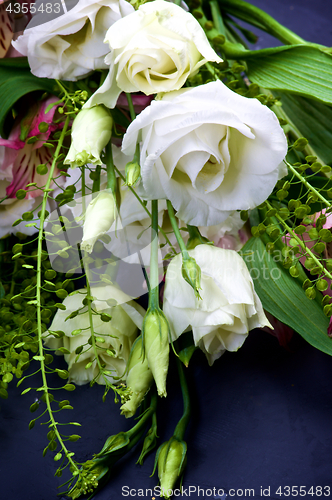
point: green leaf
(314, 121)
(300, 69)
(3, 393)
(185, 347)
(284, 298)
(18, 62)
(17, 81)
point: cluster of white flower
(206, 149)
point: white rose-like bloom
(72, 45)
(119, 333)
(90, 133)
(209, 151)
(154, 49)
(229, 308)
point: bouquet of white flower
(146, 152)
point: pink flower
(21, 158)
(140, 101)
(18, 166)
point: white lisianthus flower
(119, 333)
(229, 308)
(209, 151)
(99, 217)
(70, 46)
(154, 49)
(91, 132)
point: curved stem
(53, 423)
(181, 426)
(307, 184)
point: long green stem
(53, 423)
(217, 17)
(111, 177)
(176, 230)
(131, 107)
(96, 181)
(154, 274)
(181, 426)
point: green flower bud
(156, 346)
(191, 273)
(139, 378)
(133, 173)
(114, 443)
(171, 457)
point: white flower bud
(90, 133)
(99, 217)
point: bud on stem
(171, 459)
(139, 378)
(133, 173)
(191, 273)
(156, 346)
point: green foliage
(15, 82)
(314, 119)
(284, 297)
(297, 69)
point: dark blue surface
(261, 417)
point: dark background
(261, 416)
